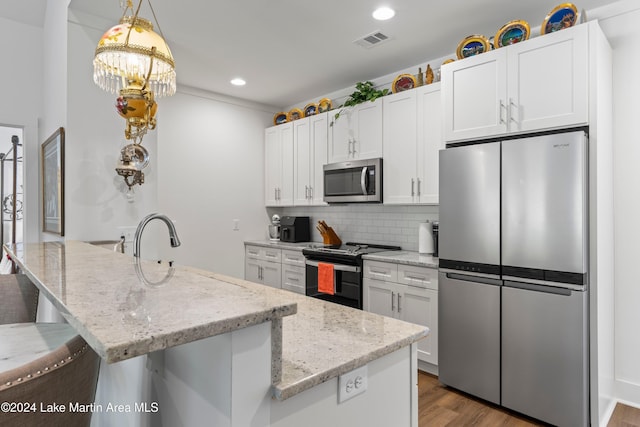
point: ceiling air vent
(374, 39)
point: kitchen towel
(425, 238)
(326, 284)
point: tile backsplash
(367, 223)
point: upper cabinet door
(301, 152)
(430, 142)
(474, 91)
(341, 136)
(400, 138)
(536, 85)
(548, 81)
(357, 133)
(368, 135)
(279, 165)
(319, 137)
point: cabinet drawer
(293, 278)
(381, 271)
(292, 257)
(418, 276)
(252, 252)
(271, 255)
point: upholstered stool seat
(18, 299)
(45, 367)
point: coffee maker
(295, 229)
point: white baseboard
(428, 367)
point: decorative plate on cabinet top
(562, 16)
(473, 45)
(294, 114)
(310, 109)
(280, 118)
(511, 32)
(403, 82)
(324, 105)
(448, 61)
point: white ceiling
(292, 50)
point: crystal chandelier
(135, 62)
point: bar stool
(48, 376)
(18, 299)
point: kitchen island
(198, 347)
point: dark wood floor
(443, 406)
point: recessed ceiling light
(238, 82)
(383, 13)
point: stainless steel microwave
(356, 181)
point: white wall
(96, 202)
(21, 87)
(621, 30)
(211, 158)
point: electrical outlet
(236, 225)
(352, 384)
(128, 232)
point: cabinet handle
(354, 148)
(382, 274)
(310, 192)
(418, 179)
(393, 295)
(501, 107)
(349, 146)
(278, 193)
(399, 309)
(306, 191)
(412, 184)
(511, 115)
(275, 193)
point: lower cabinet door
(420, 306)
(293, 278)
(252, 270)
(379, 297)
(271, 274)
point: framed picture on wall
(52, 173)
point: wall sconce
(131, 59)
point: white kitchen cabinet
(263, 265)
(412, 137)
(357, 133)
(310, 136)
(407, 293)
(539, 84)
(279, 165)
(293, 271)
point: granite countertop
(104, 297)
(324, 340)
(404, 257)
(120, 306)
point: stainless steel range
(346, 263)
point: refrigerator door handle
(471, 278)
(543, 284)
(538, 288)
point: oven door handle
(337, 267)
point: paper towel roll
(425, 238)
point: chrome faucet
(173, 236)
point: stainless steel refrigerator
(513, 280)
